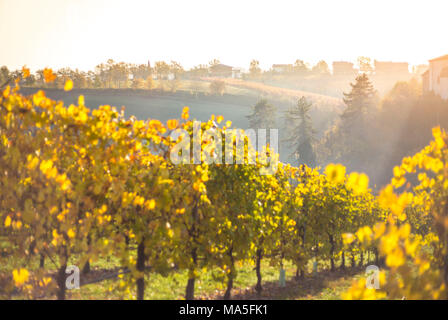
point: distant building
(387, 68)
(221, 70)
(343, 68)
(436, 78)
(282, 68)
(420, 69)
(236, 73)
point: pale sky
(84, 33)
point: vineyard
(79, 185)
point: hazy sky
(83, 33)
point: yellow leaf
(81, 101)
(139, 201)
(172, 124)
(364, 234)
(358, 182)
(20, 276)
(32, 162)
(68, 85)
(6, 92)
(70, 233)
(7, 221)
(103, 209)
(335, 173)
(185, 114)
(150, 204)
(46, 165)
(49, 76)
(396, 258)
(38, 97)
(17, 224)
(347, 238)
(180, 211)
(26, 72)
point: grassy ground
(275, 92)
(211, 284)
(324, 285)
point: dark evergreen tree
(263, 115)
(359, 101)
(349, 140)
(300, 132)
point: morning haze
(130, 167)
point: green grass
(324, 285)
(211, 284)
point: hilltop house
(282, 68)
(224, 71)
(237, 73)
(387, 68)
(436, 78)
(343, 68)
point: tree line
(112, 74)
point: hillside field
(234, 106)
